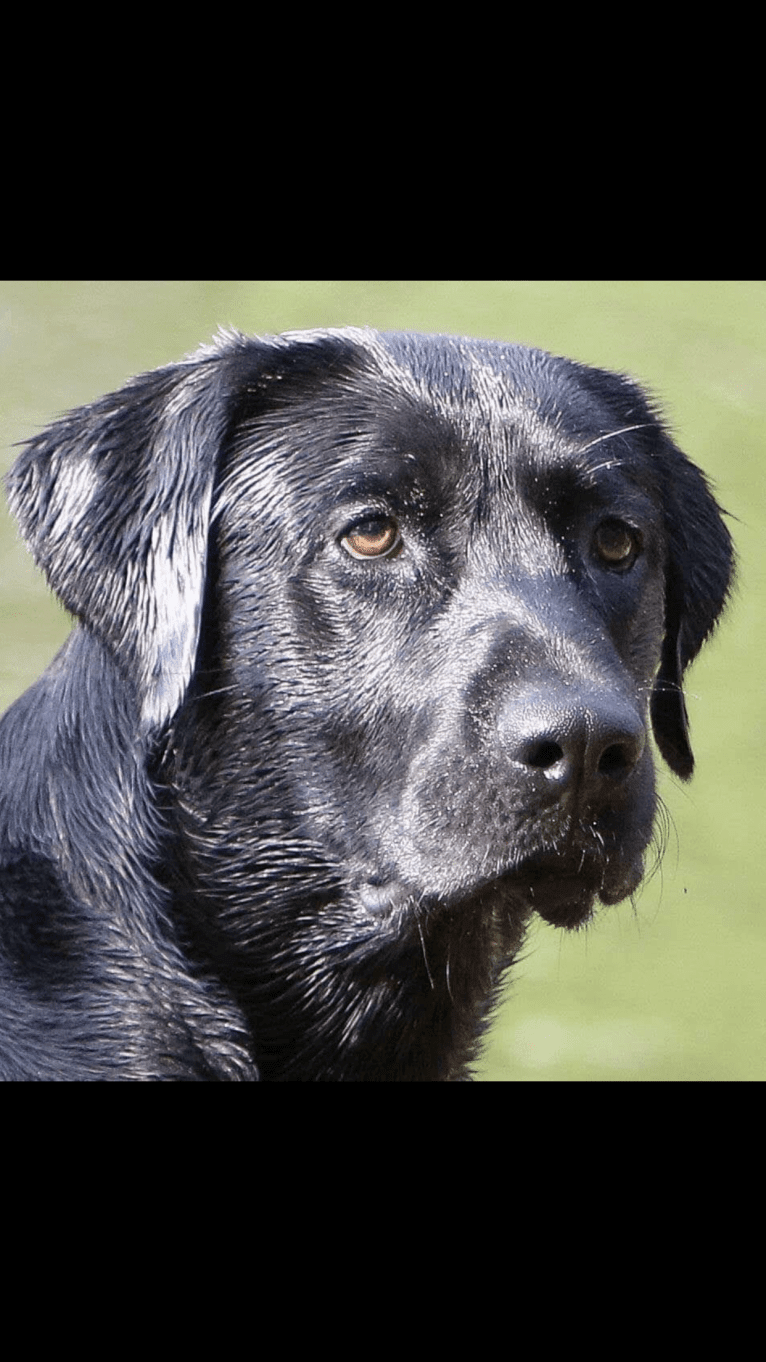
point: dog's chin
(569, 900)
(563, 901)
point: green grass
(673, 987)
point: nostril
(617, 760)
(543, 754)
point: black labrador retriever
(371, 632)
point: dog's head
(419, 598)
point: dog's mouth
(562, 896)
(567, 898)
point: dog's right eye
(617, 545)
(376, 537)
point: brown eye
(377, 537)
(617, 544)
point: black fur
(370, 630)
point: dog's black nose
(595, 738)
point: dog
(372, 631)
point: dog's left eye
(617, 544)
(376, 537)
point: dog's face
(442, 590)
(407, 673)
(451, 599)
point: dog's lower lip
(568, 900)
(563, 902)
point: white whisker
(610, 435)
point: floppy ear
(114, 501)
(698, 577)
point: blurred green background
(670, 989)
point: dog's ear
(114, 501)
(698, 578)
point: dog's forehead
(461, 377)
(505, 395)
(535, 420)
(452, 376)
(466, 421)
(515, 412)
